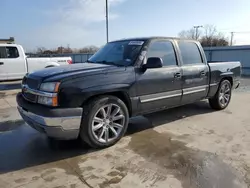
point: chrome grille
(30, 97)
(32, 83)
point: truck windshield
(120, 53)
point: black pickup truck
(93, 101)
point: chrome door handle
(177, 75)
(203, 73)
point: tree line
(66, 50)
(207, 35)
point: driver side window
(164, 50)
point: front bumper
(59, 123)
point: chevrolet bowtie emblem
(24, 87)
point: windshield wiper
(108, 63)
(88, 61)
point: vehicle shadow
(24, 147)
(10, 85)
(139, 124)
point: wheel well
(49, 66)
(119, 94)
(230, 79)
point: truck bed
(220, 68)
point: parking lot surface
(189, 146)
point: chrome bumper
(58, 127)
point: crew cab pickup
(14, 64)
(93, 101)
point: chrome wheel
(224, 94)
(108, 123)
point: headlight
(50, 86)
(49, 101)
(51, 98)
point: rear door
(195, 72)
(160, 87)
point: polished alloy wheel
(108, 123)
(224, 94)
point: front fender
(75, 97)
(97, 90)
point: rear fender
(51, 64)
(214, 87)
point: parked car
(14, 64)
(94, 101)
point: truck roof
(154, 37)
(5, 44)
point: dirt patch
(194, 168)
(114, 180)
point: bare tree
(89, 49)
(212, 37)
(40, 50)
(209, 36)
(189, 34)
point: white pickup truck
(14, 64)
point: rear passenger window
(190, 53)
(164, 50)
(12, 52)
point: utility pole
(107, 22)
(232, 36)
(196, 30)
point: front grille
(30, 97)
(24, 80)
(32, 83)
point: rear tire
(104, 121)
(222, 97)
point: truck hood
(60, 72)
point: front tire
(222, 97)
(104, 122)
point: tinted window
(120, 53)
(12, 52)
(164, 50)
(190, 53)
(2, 52)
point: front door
(160, 87)
(195, 72)
(3, 69)
(15, 63)
(12, 64)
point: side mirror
(153, 62)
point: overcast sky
(50, 23)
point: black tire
(215, 102)
(90, 110)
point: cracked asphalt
(189, 146)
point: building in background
(11, 40)
(230, 53)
